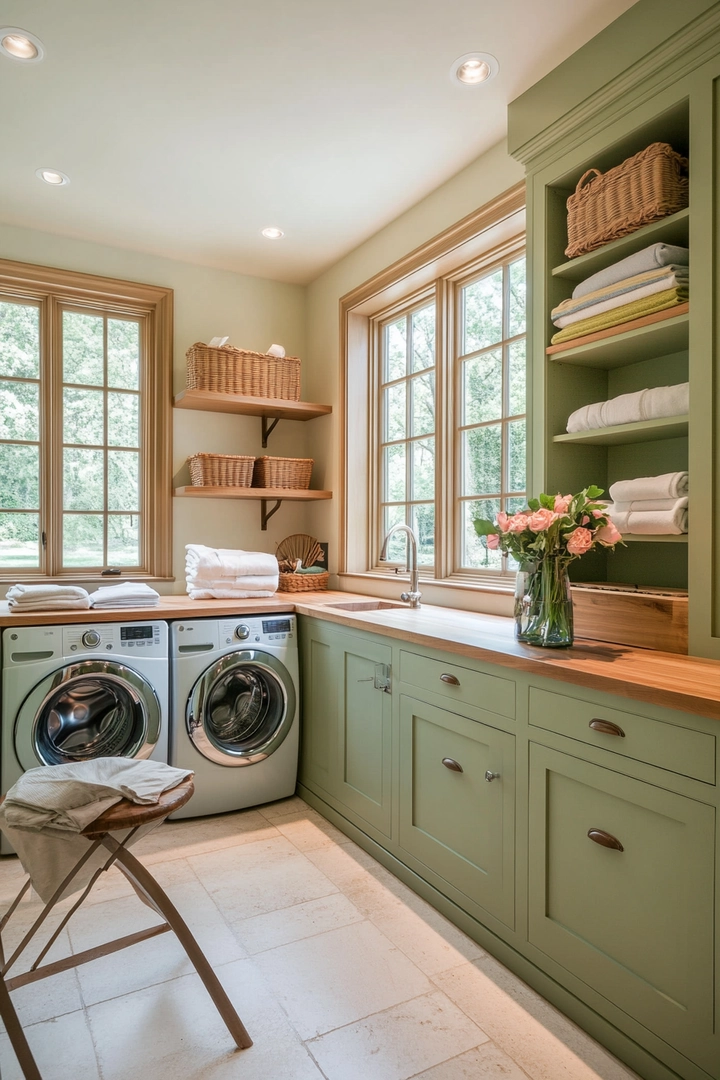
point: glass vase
(543, 604)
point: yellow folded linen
(647, 306)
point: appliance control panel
(120, 639)
(267, 629)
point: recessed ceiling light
(52, 176)
(472, 69)
(272, 233)
(20, 45)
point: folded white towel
(644, 505)
(623, 409)
(64, 603)
(250, 583)
(21, 593)
(127, 594)
(651, 404)
(667, 281)
(666, 486)
(651, 523)
(228, 594)
(210, 564)
(648, 259)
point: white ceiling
(186, 127)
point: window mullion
(52, 425)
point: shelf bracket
(264, 515)
(267, 431)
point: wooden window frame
(56, 290)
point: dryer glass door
(241, 708)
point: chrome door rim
(195, 714)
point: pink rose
(492, 540)
(585, 519)
(502, 521)
(580, 541)
(518, 523)
(561, 503)
(541, 520)
(608, 534)
(598, 513)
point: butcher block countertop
(680, 682)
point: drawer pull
(490, 776)
(450, 679)
(452, 764)
(605, 839)
(607, 727)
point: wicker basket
(605, 206)
(282, 472)
(227, 370)
(303, 582)
(221, 470)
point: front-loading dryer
(79, 692)
(234, 708)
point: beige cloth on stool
(46, 810)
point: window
(436, 348)
(84, 404)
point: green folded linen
(647, 306)
(570, 306)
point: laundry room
(359, 643)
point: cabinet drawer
(680, 750)
(459, 683)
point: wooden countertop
(690, 684)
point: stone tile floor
(338, 970)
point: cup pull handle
(490, 776)
(449, 679)
(605, 839)
(452, 764)
(606, 727)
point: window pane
(19, 410)
(19, 340)
(395, 412)
(123, 480)
(482, 312)
(517, 455)
(394, 474)
(395, 515)
(423, 523)
(395, 350)
(423, 469)
(83, 420)
(123, 344)
(517, 378)
(516, 303)
(481, 461)
(423, 338)
(83, 350)
(474, 554)
(83, 475)
(482, 388)
(83, 540)
(124, 540)
(123, 419)
(513, 506)
(19, 477)
(19, 540)
(423, 404)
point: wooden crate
(647, 618)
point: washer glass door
(241, 708)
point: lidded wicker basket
(221, 470)
(281, 472)
(228, 370)
(644, 188)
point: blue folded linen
(648, 259)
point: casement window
(436, 402)
(85, 367)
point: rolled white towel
(210, 564)
(624, 409)
(644, 505)
(662, 401)
(251, 584)
(666, 486)
(588, 418)
(228, 594)
(658, 522)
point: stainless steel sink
(367, 605)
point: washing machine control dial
(242, 632)
(91, 639)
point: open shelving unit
(263, 495)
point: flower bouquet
(544, 539)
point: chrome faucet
(411, 563)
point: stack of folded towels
(651, 280)
(228, 573)
(128, 594)
(653, 505)
(650, 404)
(22, 598)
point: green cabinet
(621, 894)
(457, 805)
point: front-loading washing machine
(79, 692)
(234, 708)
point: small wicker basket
(221, 470)
(281, 472)
(228, 370)
(606, 206)
(303, 582)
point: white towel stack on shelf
(651, 505)
(651, 404)
(128, 594)
(22, 598)
(229, 573)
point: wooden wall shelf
(668, 427)
(262, 495)
(267, 408)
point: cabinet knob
(490, 776)
(452, 764)
(605, 839)
(449, 679)
(606, 727)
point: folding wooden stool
(122, 816)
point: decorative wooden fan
(298, 546)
